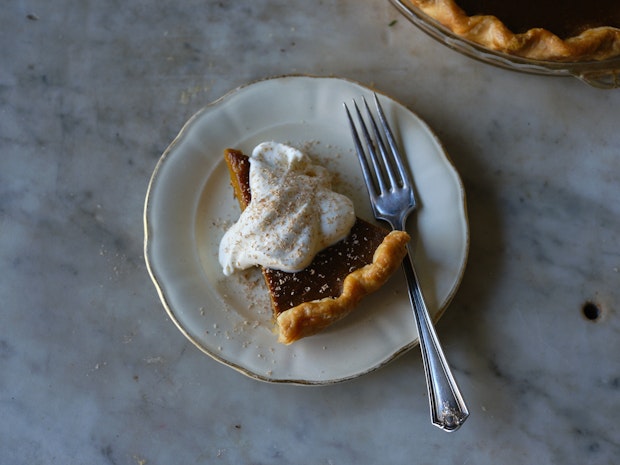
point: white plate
(190, 202)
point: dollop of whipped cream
(292, 216)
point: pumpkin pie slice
(307, 301)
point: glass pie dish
(604, 74)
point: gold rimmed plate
(189, 205)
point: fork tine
(402, 169)
(385, 155)
(366, 171)
(372, 153)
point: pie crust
(308, 301)
(593, 44)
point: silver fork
(392, 197)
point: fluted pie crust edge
(537, 44)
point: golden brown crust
(311, 317)
(239, 175)
(538, 44)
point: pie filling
(304, 302)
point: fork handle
(448, 410)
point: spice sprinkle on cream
(293, 213)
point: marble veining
(93, 371)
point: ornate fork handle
(448, 410)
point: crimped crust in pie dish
(594, 40)
(307, 301)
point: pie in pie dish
(546, 30)
(307, 301)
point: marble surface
(93, 371)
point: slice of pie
(572, 30)
(307, 301)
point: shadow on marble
(463, 327)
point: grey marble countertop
(92, 371)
